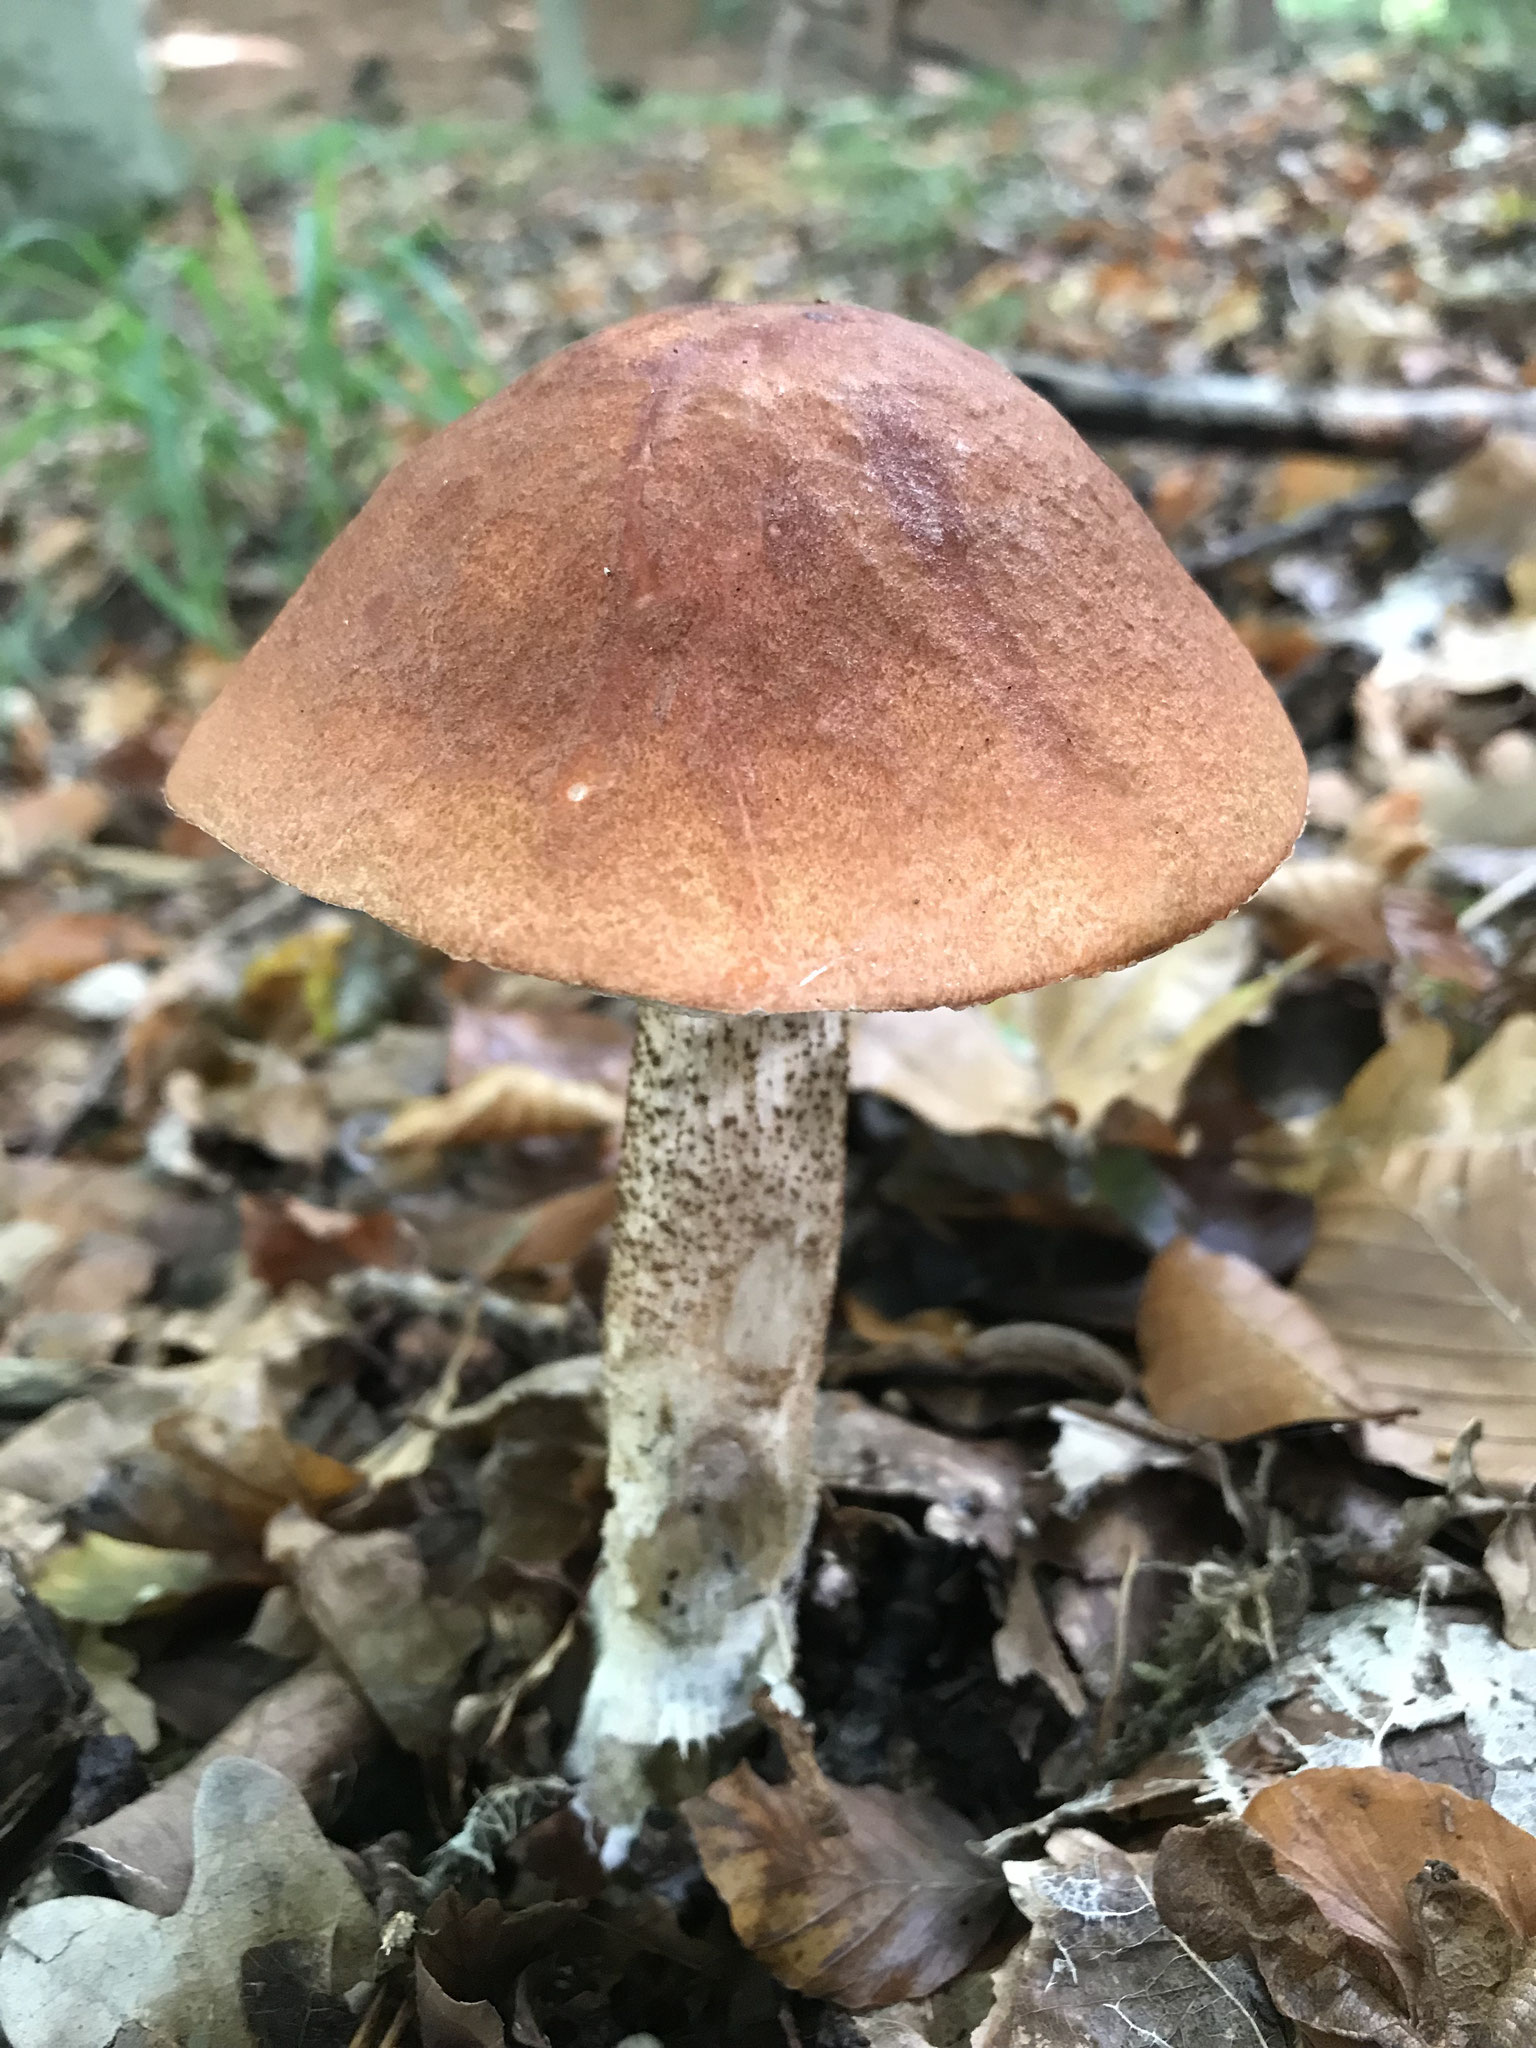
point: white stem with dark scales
(724, 1259)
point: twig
(1317, 522)
(1264, 412)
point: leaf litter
(1176, 1444)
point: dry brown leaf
(1378, 1908)
(1229, 1354)
(288, 1241)
(558, 1231)
(976, 1491)
(1139, 1031)
(506, 1102)
(1027, 1645)
(52, 950)
(863, 1896)
(1510, 1561)
(1456, 1696)
(252, 1473)
(1101, 1970)
(1422, 1265)
(370, 1601)
(44, 820)
(567, 1043)
(1485, 508)
(953, 1068)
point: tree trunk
(79, 141)
(565, 77)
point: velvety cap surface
(776, 657)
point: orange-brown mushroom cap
(757, 658)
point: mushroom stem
(724, 1258)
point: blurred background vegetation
(230, 299)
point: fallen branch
(1317, 522)
(1263, 412)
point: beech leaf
(1101, 1969)
(859, 1895)
(1377, 1906)
(1229, 1353)
(505, 1102)
(81, 1972)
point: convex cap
(758, 658)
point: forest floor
(1179, 1435)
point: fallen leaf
(369, 1599)
(1382, 1675)
(313, 1728)
(288, 1241)
(564, 1042)
(1510, 1561)
(1484, 509)
(1230, 1354)
(976, 1491)
(288, 993)
(557, 1232)
(77, 1972)
(1300, 482)
(860, 1895)
(1140, 1031)
(953, 1068)
(55, 949)
(1102, 1970)
(1377, 1907)
(507, 1102)
(1027, 1646)
(45, 820)
(127, 1709)
(1420, 1265)
(103, 1580)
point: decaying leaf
(62, 814)
(1421, 1267)
(1510, 1561)
(1379, 1673)
(953, 1068)
(313, 1727)
(506, 1102)
(1136, 1033)
(1101, 1969)
(76, 1972)
(1378, 1908)
(370, 1601)
(1027, 1645)
(288, 1241)
(54, 949)
(860, 1895)
(103, 1580)
(1140, 1031)
(976, 1491)
(1228, 1353)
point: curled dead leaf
(505, 1102)
(1229, 1353)
(1377, 1907)
(860, 1895)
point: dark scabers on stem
(725, 1254)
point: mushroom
(762, 663)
